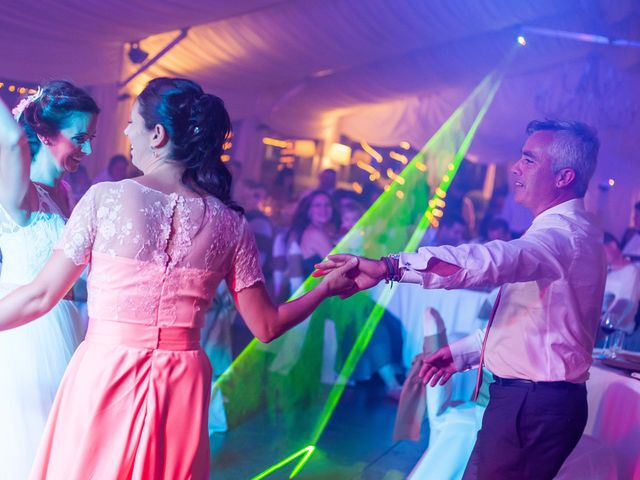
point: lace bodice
(25, 249)
(157, 258)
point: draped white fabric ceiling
(380, 70)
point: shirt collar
(568, 207)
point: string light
(395, 177)
(357, 187)
(368, 168)
(400, 194)
(274, 142)
(369, 149)
(399, 157)
(405, 145)
(421, 166)
(18, 88)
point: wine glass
(607, 325)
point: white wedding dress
(33, 357)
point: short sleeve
(80, 232)
(245, 264)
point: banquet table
(614, 416)
(459, 310)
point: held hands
(340, 279)
(365, 274)
(437, 366)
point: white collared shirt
(553, 281)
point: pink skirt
(132, 405)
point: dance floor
(357, 443)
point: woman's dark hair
(50, 113)
(198, 125)
(301, 221)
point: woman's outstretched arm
(268, 321)
(33, 300)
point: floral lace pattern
(27, 248)
(170, 246)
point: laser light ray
(389, 225)
(306, 452)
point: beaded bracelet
(393, 270)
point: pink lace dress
(133, 401)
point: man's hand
(340, 280)
(438, 366)
(366, 275)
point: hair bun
(198, 125)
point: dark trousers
(528, 430)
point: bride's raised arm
(15, 162)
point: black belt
(510, 382)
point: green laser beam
(306, 452)
(383, 301)
(368, 237)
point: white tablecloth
(614, 416)
(459, 310)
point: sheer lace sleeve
(245, 265)
(80, 232)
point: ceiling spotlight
(136, 54)
(521, 40)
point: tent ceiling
(386, 70)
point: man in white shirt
(539, 341)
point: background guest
(116, 170)
(631, 237)
(498, 229)
(451, 231)
(79, 182)
(622, 287)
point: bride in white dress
(52, 135)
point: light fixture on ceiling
(136, 54)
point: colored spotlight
(521, 40)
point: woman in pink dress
(133, 401)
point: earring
(155, 152)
